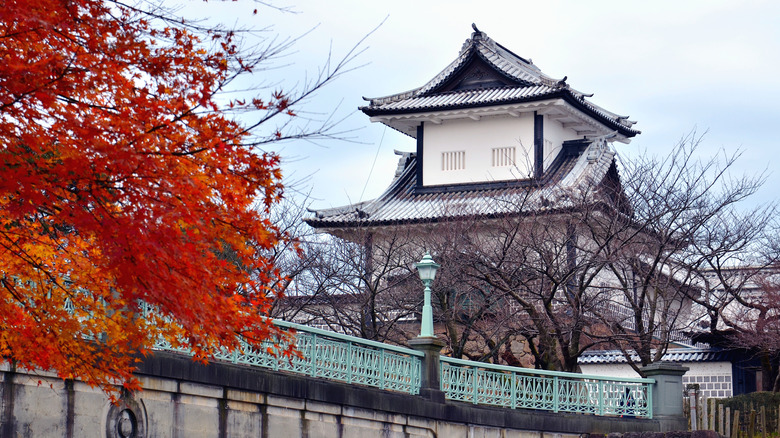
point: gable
(475, 74)
(487, 79)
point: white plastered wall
(555, 134)
(478, 138)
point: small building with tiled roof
(492, 133)
(720, 373)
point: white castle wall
(477, 138)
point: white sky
(673, 66)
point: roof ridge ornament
(477, 36)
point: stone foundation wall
(185, 399)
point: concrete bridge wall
(185, 399)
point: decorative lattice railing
(349, 359)
(334, 356)
(487, 384)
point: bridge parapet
(512, 387)
(334, 356)
(328, 392)
(353, 360)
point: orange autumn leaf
(124, 185)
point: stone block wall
(185, 399)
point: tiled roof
(462, 98)
(527, 84)
(578, 168)
(672, 355)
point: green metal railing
(482, 383)
(350, 359)
(334, 356)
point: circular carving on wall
(127, 425)
(126, 419)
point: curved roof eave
(402, 203)
(509, 65)
(593, 111)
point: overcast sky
(673, 66)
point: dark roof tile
(672, 355)
(576, 170)
(529, 85)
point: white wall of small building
(714, 378)
(609, 370)
(554, 134)
(477, 139)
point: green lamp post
(427, 269)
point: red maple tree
(124, 184)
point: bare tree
(474, 320)
(742, 293)
(676, 209)
(623, 265)
(534, 264)
(367, 286)
(755, 325)
(352, 286)
(621, 261)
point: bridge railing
(488, 384)
(353, 360)
(334, 356)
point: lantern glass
(427, 268)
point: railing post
(430, 381)
(313, 355)
(475, 385)
(667, 394)
(513, 382)
(601, 397)
(556, 398)
(382, 369)
(350, 362)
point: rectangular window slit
(503, 157)
(455, 160)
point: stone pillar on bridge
(667, 394)
(430, 385)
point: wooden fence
(752, 416)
